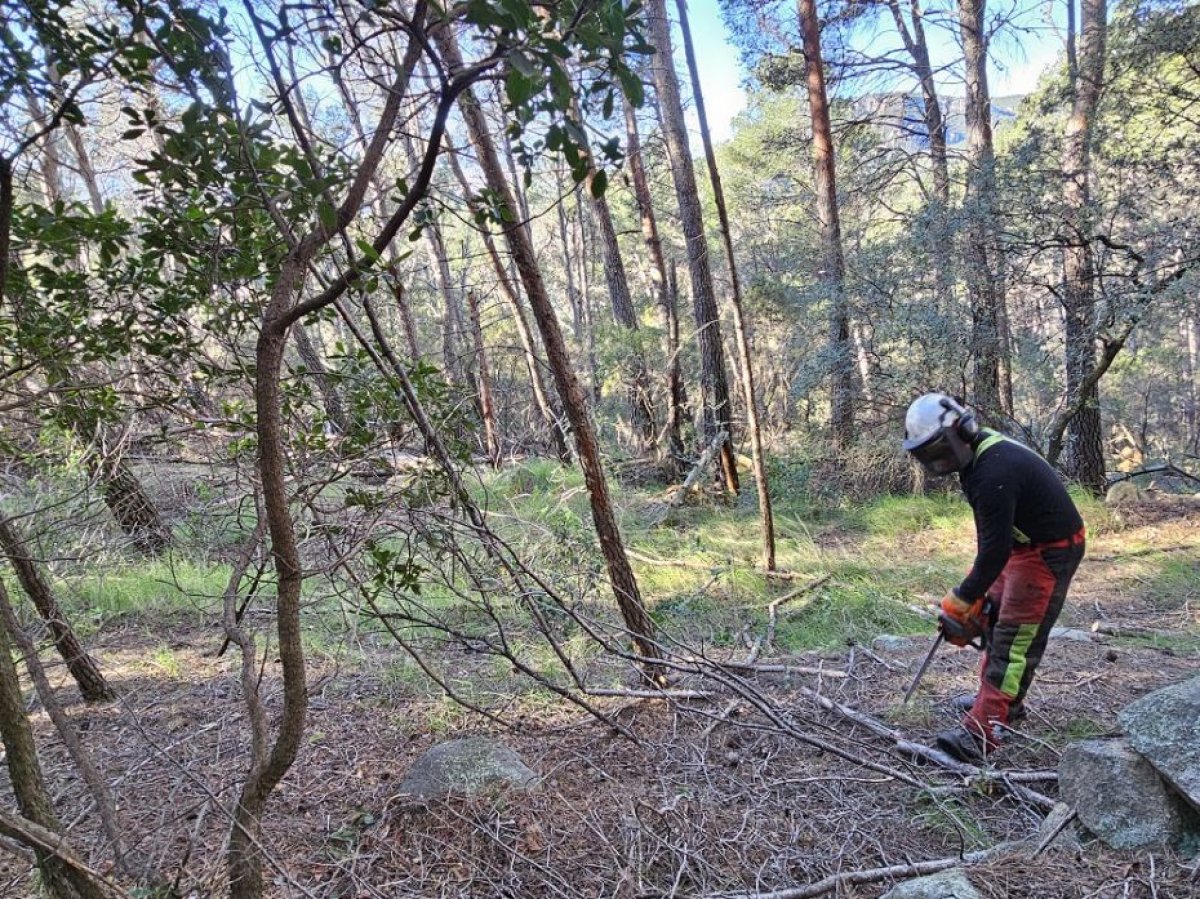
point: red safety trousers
(1031, 590)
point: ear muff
(968, 426)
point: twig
(1050, 837)
(871, 875)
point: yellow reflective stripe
(1017, 661)
(989, 441)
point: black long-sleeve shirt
(1017, 498)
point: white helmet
(938, 431)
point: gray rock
(892, 643)
(1067, 837)
(1119, 796)
(468, 767)
(1164, 726)
(1071, 633)
(952, 884)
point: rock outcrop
(466, 767)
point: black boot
(963, 704)
(959, 743)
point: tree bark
(658, 276)
(615, 276)
(132, 508)
(750, 398)
(533, 364)
(718, 411)
(1085, 439)
(935, 126)
(335, 411)
(983, 289)
(486, 410)
(624, 585)
(110, 817)
(92, 685)
(61, 880)
(833, 263)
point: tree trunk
(718, 412)
(750, 397)
(1085, 439)
(624, 585)
(486, 411)
(833, 264)
(658, 276)
(60, 880)
(335, 412)
(641, 414)
(92, 685)
(935, 126)
(1191, 339)
(524, 333)
(982, 287)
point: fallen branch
(928, 753)
(702, 463)
(768, 639)
(871, 875)
(648, 694)
(41, 839)
(1132, 630)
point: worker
(1030, 540)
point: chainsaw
(960, 625)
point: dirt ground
(700, 797)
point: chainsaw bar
(924, 665)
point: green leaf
(327, 215)
(519, 87)
(599, 184)
(367, 250)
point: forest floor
(721, 794)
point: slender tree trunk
(123, 493)
(524, 333)
(585, 252)
(110, 817)
(335, 412)
(658, 276)
(1191, 338)
(718, 412)
(486, 410)
(833, 264)
(407, 323)
(1085, 440)
(750, 397)
(641, 414)
(624, 585)
(60, 880)
(980, 244)
(935, 126)
(92, 685)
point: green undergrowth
(166, 588)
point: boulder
(467, 767)
(1119, 796)
(1065, 835)
(1164, 726)
(951, 884)
(893, 643)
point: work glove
(964, 623)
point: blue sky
(1017, 59)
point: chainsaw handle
(958, 634)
